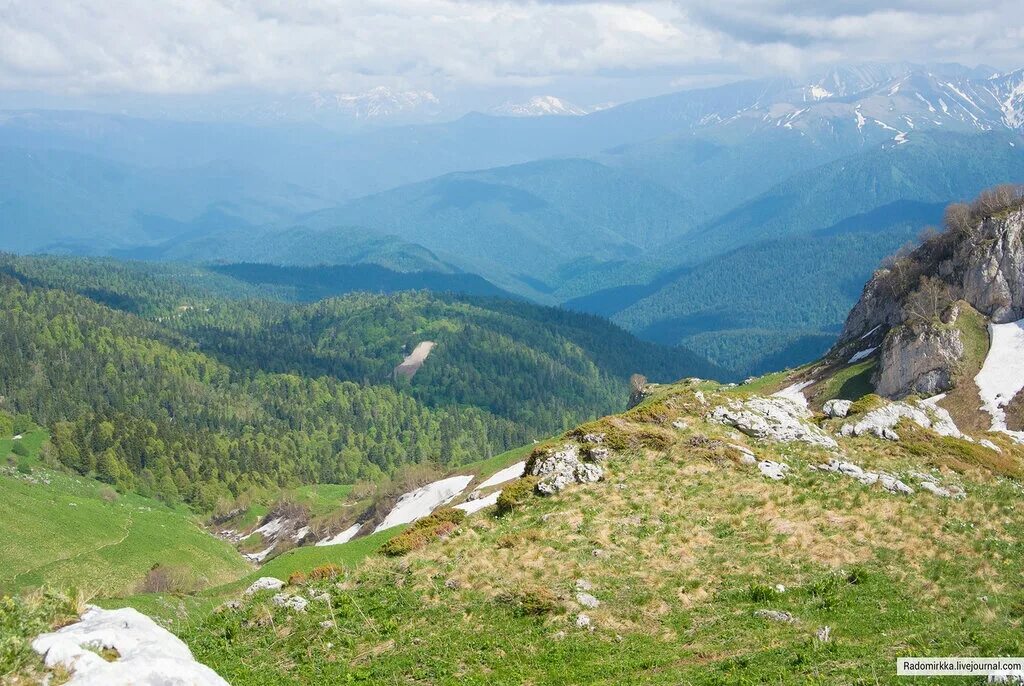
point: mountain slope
(526, 219)
(263, 394)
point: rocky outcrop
(889, 482)
(882, 421)
(993, 268)
(978, 261)
(922, 361)
(774, 418)
(560, 468)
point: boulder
(773, 470)
(265, 583)
(563, 467)
(836, 408)
(587, 600)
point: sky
(468, 52)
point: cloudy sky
(119, 50)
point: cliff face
(922, 362)
(907, 314)
(993, 268)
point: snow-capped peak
(377, 103)
(539, 106)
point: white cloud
(201, 46)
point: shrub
(20, 449)
(297, 579)
(326, 572)
(516, 494)
(439, 523)
(161, 579)
(108, 495)
(871, 401)
(530, 601)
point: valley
(417, 362)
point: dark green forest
(186, 384)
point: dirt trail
(414, 360)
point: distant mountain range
(689, 218)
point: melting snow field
(795, 393)
(423, 501)
(344, 537)
(1002, 375)
(471, 506)
(149, 654)
(506, 474)
(862, 354)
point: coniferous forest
(182, 383)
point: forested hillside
(177, 387)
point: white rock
(583, 621)
(587, 600)
(562, 468)
(773, 470)
(294, 602)
(774, 418)
(836, 407)
(880, 422)
(149, 655)
(265, 583)
(990, 445)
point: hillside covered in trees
(188, 385)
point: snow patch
(149, 654)
(1002, 375)
(506, 474)
(471, 506)
(862, 354)
(423, 501)
(795, 393)
(343, 537)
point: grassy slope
(691, 545)
(90, 542)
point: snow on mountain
(540, 106)
(378, 103)
(886, 104)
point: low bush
(530, 601)
(326, 572)
(516, 494)
(440, 523)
